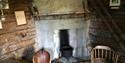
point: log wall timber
(100, 34)
(15, 39)
(106, 36)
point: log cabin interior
(62, 31)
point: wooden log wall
(100, 23)
(100, 34)
(15, 39)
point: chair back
(103, 54)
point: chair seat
(101, 60)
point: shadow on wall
(28, 54)
(26, 57)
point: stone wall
(48, 35)
(59, 6)
(62, 14)
(14, 39)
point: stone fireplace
(48, 35)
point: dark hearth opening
(64, 37)
(65, 48)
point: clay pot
(41, 56)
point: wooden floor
(14, 61)
(10, 60)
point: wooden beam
(62, 16)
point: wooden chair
(103, 54)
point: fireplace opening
(64, 37)
(65, 48)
